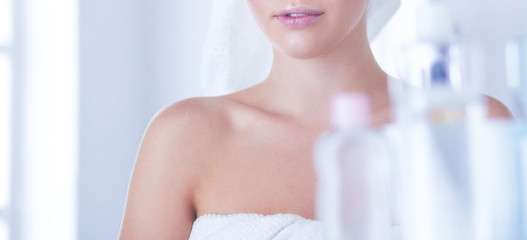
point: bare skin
(251, 151)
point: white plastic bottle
(351, 165)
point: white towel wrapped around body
(255, 226)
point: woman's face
(308, 28)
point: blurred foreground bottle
(434, 105)
(459, 173)
(516, 52)
(351, 163)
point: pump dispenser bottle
(351, 165)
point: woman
(251, 151)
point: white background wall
(135, 57)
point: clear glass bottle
(351, 165)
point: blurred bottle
(351, 164)
(516, 53)
(435, 89)
(435, 105)
(496, 168)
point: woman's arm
(160, 204)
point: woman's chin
(306, 46)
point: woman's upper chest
(265, 167)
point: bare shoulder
(497, 109)
(191, 119)
(187, 130)
(160, 202)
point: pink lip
(304, 18)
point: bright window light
(6, 22)
(49, 187)
(4, 232)
(5, 134)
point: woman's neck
(303, 88)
